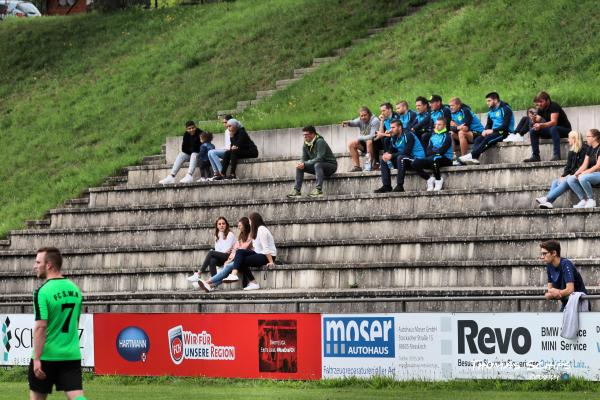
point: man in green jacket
(317, 159)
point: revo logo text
(486, 339)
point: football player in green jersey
(56, 359)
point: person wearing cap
(317, 159)
(216, 155)
(465, 126)
(242, 147)
(190, 148)
(437, 110)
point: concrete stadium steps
(311, 300)
(280, 167)
(471, 274)
(464, 177)
(398, 225)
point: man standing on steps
(56, 358)
(317, 159)
(556, 127)
(368, 124)
(500, 122)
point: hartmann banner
(443, 346)
(17, 339)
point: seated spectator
(403, 147)
(500, 123)
(224, 242)
(317, 159)
(216, 155)
(465, 125)
(206, 146)
(190, 147)
(523, 127)
(383, 133)
(558, 126)
(405, 115)
(437, 110)
(368, 124)
(563, 277)
(264, 253)
(422, 122)
(575, 158)
(241, 147)
(588, 173)
(438, 155)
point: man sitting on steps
(368, 125)
(190, 148)
(317, 159)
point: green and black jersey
(58, 301)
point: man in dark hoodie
(242, 147)
(190, 148)
(317, 159)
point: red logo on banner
(277, 346)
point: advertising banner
(281, 346)
(17, 339)
(442, 346)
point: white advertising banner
(442, 346)
(17, 339)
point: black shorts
(66, 375)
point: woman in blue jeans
(588, 174)
(264, 253)
(575, 158)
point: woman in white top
(264, 253)
(224, 242)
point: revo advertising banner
(281, 346)
(16, 337)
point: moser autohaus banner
(283, 346)
(17, 339)
(441, 346)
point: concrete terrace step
(377, 226)
(324, 60)
(450, 248)
(261, 94)
(301, 71)
(465, 177)
(285, 82)
(284, 166)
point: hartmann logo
(359, 337)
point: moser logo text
(359, 337)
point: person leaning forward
(317, 159)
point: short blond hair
(577, 141)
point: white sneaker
(201, 179)
(430, 184)
(194, 278)
(512, 137)
(187, 179)
(541, 200)
(437, 185)
(196, 285)
(231, 278)
(546, 204)
(252, 286)
(581, 204)
(591, 203)
(205, 286)
(518, 138)
(468, 159)
(456, 163)
(167, 181)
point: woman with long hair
(224, 242)
(588, 173)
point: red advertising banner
(279, 346)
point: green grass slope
(463, 48)
(83, 96)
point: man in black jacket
(317, 159)
(190, 148)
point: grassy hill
(83, 96)
(463, 48)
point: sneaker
(316, 192)
(456, 163)
(541, 200)
(201, 179)
(383, 189)
(398, 189)
(187, 179)
(196, 285)
(546, 205)
(194, 278)
(581, 204)
(555, 157)
(231, 177)
(591, 203)
(205, 286)
(294, 193)
(368, 167)
(430, 184)
(518, 138)
(437, 185)
(511, 138)
(167, 181)
(218, 178)
(466, 159)
(252, 286)
(231, 278)
(474, 161)
(355, 168)
(532, 159)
